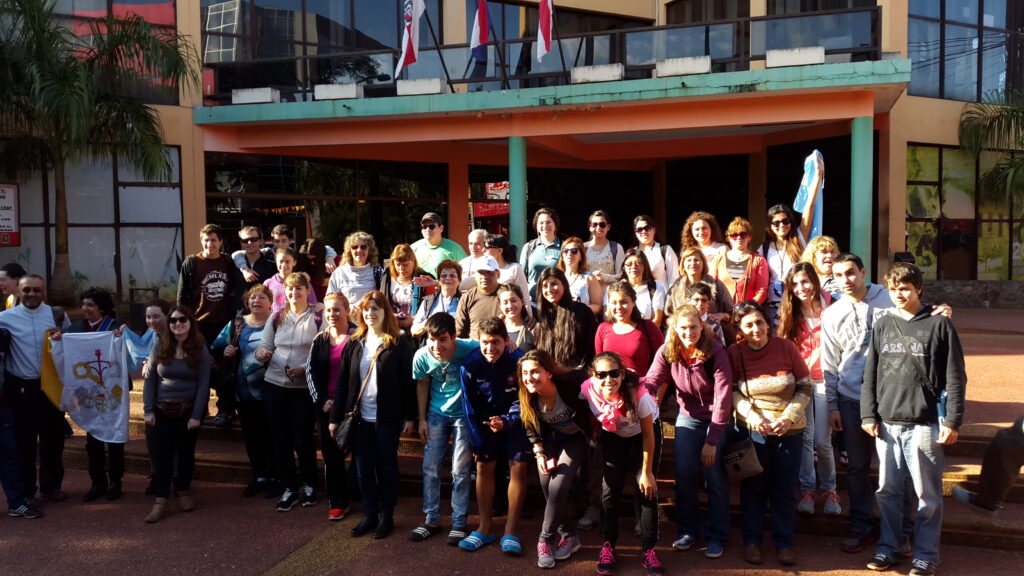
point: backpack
(318, 318)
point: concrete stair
(220, 457)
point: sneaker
(971, 500)
(287, 501)
(856, 542)
(832, 506)
(922, 568)
(308, 496)
(714, 550)
(806, 503)
(589, 519)
(606, 560)
(223, 419)
(906, 546)
(544, 556)
(567, 547)
(685, 542)
(651, 563)
(336, 514)
(24, 511)
(880, 562)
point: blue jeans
(441, 429)
(10, 468)
(859, 448)
(818, 440)
(780, 458)
(691, 435)
(910, 451)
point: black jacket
(396, 388)
(893, 390)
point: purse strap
(373, 362)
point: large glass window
(965, 49)
(699, 11)
(779, 7)
(958, 229)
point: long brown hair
(527, 410)
(674, 344)
(791, 315)
(791, 242)
(558, 330)
(582, 266)
(192, 346)
(390, 332)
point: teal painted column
(861, 174)
(517, 190)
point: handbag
(176, 408)
(740, 459)
(343, 435)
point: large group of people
(571, 360)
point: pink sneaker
(832, 505)
(806, 503)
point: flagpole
(501, 55)
(558, 37)
(440, 54)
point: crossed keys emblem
(93, 370)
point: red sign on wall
(9, 224)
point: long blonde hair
(674, 344)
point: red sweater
(636, 348)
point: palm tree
(997, 124)
(65, 97)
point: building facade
(882, 103)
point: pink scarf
(606, 411)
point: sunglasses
(602, 374)
(361, 247)
(31, 290)
(642, 229)
(570, 250)
(783, 222)
(251, 240)
(428, 226)
(739, 235)
(177, 319)
(598, 224)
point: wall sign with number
(9, 225)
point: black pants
(225, 387)
(174, 443)
(290, 414)
(38, 428)
(1003, 459)
(256, 433)
(334, 465)
(375, 451)
(623, 460)
(97, 451)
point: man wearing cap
(434, 247)
(480, 302)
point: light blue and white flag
(806, 195)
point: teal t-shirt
(445, 378)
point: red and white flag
(412, 11)
(481, 26)
(544, 25)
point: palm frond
(996, 123)
(130, 130)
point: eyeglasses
(783, 222)
(602, 374)
(739, 235)
(428, 226)
(452, 275)
(177, 319)
(31, 290)
(598, 224)
(251, 240)
(570, 250)
(642, 229)
(361, 247)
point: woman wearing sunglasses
(782, 248)
(626, 412)
(661, 258)
(604, 256)
(360, 271)
(175, 395)
(744, 274)
(583, 285)
(651, 295)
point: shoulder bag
(343, 436)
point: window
(963, 49)
(958, 229)
(780, 7)
(699, 11)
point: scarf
(606, 411)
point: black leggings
(290, 414)
(623, 460)
(173, 439)
(571, 454)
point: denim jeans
(10, 469)
(175, 453)
(441, 428)
(818, 440)
(780, 458)
(910, 451)
(859, 448)
(691, 435)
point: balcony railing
(847, 36)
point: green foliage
(997, 123)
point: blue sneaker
(714, 550)
(685, 542)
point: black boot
(365, 526)
(384, 527)
(94, 493)
(114, 492)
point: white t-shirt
(628, 428)
(368, 403)
(665, 270)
